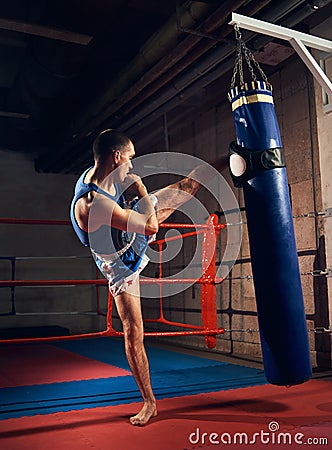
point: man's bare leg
(129, 305)
(171, 197)
(129, 308)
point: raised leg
(173, 196)
(129, 308)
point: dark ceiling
(69, 68)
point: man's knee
(133, 332)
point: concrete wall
(205, 131)
(324, 137)
(42, 252)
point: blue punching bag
(257, 164)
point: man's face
(123, 161)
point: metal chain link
(248, 61)
(321, 330)
(258, 67)
(245, 277)
(307, 215)
(312, 214)
(238, 69)
(314, 273)
(243, 50)
(327, 212)
(318, 273)
(251, 331)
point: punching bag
(257, 164)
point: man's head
(113, 146)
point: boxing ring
(208, 281)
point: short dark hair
(107, 142)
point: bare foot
(149, 410)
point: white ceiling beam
(277, 31)
(313, 66)
(298, 40)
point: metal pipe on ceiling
(213, 22)
(217, 21)
(88, 122)
(225, 66)
(290, 21)
(181, 55)
(137, 123)
(273, 14)
(159, 45)
(159, 106)
(250, 10)
(173, 63)
(187, 78)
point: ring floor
(79, 395)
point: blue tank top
(130, 247)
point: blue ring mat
(173, 374)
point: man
(118, 235)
